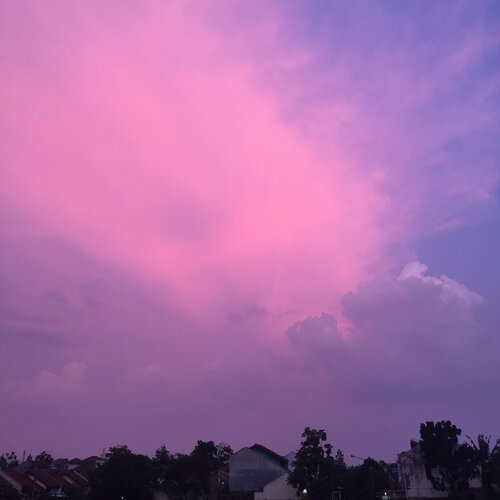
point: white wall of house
(279, 489)
(413, 476)
(250, 471)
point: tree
(124, 475)
(488, 461)
(177, 479)
(448, 465)
(494, 468)
(162, 456)
(339, 458)
(213, 456)
(368, 480)
(317, 474)
(43, 460)
(8, 460)
(191, 476)
(206, 459)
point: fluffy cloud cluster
(54, 386)
(449, 289)
(407, 338)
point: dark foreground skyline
(228, 221)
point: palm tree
(488, 461)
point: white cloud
(451, 290)
(47, 384)
(411, 339)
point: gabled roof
(91, 459)
(262, 450)
(77, 477)
(82, 473)
(4, 482)
(49, 478)
(6, 488)
(27, 485)
(19, 478)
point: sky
(231, 220)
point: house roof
(4, 482)
(27, 484)
(19, 478)
(49, 478)
(271, 454)
(77, 477)
(91, 459)
(82, 471)
(6, 488)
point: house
(413, 478)
(7, 490)
(50, 481)
(74, 463)
(222, 479)
(252, 468)
(60, 465)
(87, 464)
(76, 479)
(277, 489)
(59, 479)
(24, 486)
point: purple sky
(231, 220)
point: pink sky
(211, 218)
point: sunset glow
(230, 220)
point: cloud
(248, 312)
(182, 184)
(49, 386)
(178, 169)
(409, 338)
(450, 290)
(317, 333)
(217, 174)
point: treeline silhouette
(317, 473)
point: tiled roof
(49, 478)
(82, 473)
(4, 482)
(6, 488)
(77, 477)
(18, 477)
(27, 484)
